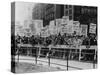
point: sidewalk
(23, 67)
(75, 65)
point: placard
(84, 29)
(65, 19)
(92, 28)
(70, 27)
(76, 27)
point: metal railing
(59, 53)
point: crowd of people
(57, 40)
(68, 40)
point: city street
(54, 37)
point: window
(50, 15)
(67, 6)
(70, 6)
(53, 16)
(66, 13)
(70, 11)
(70, 17)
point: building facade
(38, 11)
(48, 12)
(85, 14)
(68, 11)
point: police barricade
(67, 57)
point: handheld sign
(92, 28)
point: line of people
(57, 40)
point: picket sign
(70, 27)
(84, 29)
(76, 27)
(58, 22)
(92, 28)
(45, 32)
(65, 19)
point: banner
(84, 29)
(92, 28)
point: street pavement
(57, 63)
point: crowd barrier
(81, 54)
